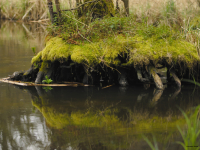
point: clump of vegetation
(121, 40)
(113, 41)
(47, 80)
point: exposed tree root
(39, 77)
(156, 78)
(139, 75)
(177, 80)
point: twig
(84, 37)
(28, 11)
(76, 20)
(79, 6)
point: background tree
(126, 6)
(50, 6)
(59, 14)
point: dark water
(82, 118)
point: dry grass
(37, 9)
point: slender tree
(126, 5)
(198, 2)
(58, 10)
(50, 5)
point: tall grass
(37, 9)
(28, 9)
(191, 135)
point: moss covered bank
(113, 49)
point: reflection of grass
(47, 88)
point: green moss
(44, 66)
(99, 9)
(37, 59)
(140, 50)
(178, 51)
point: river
(82, 118)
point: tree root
(176, 79)
(39, 77)
(139, 75)
(156, 78)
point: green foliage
(191, 135)
(33, 49)
(47, 80)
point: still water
(82, 118)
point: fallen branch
(73, 84)
(30, 8)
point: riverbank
(116, 48)
(54, 115)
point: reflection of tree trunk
(4, 141)
(175, 94)
(157, 94)
(50, 5)
(58, 10)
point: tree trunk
(126, 5)
(198, 2)
(58, 10)
(117, 6)
(50, 5)
(0, 12)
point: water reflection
(92, 118)
(16, 41)
(20, 127)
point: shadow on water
(113, 118)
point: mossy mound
(121, 51)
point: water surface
(82, 118)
